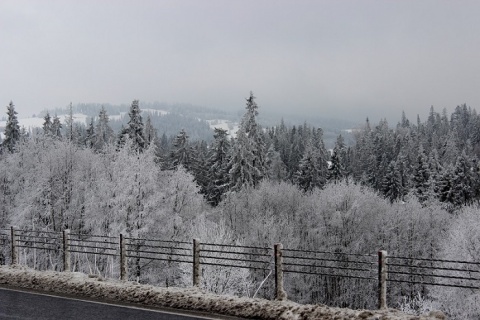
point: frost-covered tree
(462, 181)
(435, 169)
(336, 171)
(47, 124)
(462, 243)
(217, 164)
(69, 127)
(198, 166)
(310, 174)
(248, 157)
(150, 131)
(122, 137)
(392, 185)
(276, 169)
(56, 128)
(135, 127)
(445, 188)
(421, 178)
(104, 134)
(90, 135)
(294, 151)
(12, 129)
(450, 150)
(181, 154)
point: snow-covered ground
(231, 127)
(37, 122)
(188, 299)
(28, 123)
(117, 116)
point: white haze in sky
(347, 59)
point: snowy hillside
(230, 126)
(28, 123)
(164, 121)
(37, 122)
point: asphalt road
(15, 304)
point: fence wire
(434, 272)
(100, 254)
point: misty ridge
(411, 188)
(169, 119)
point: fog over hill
(198, 121)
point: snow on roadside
(187, 299)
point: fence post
(66, 250)
(196, 263)
(280, 293)
(123, 259)
(14, 253)
(382, 279)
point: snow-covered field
(231, 127)
(188, 299)
(37, 122)
(28, 123)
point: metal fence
(4, 247)
(91, 254)
(124, 257)
(332, 275)
(434, 272)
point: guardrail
(122, 254)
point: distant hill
(197, 121)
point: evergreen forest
(411, 188)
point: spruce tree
(294, 152)
(121, 138)
(461, 181)
(198, 167)
(421, 177)
(321, 153)
(248, 158)
(446, 188)
(401, 168)
(435, 169)
(392, 185)
(309, 173)
(12, 129)
(450, 150)
(69, 124)
(163, 147)
(104, 134)
(90, 135)
(336, 171)
(150, 131)
(135, 127)
(276, 169)
(47, 124)
(181, 154)
(56, 128)
(217, 164)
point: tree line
(434, 160)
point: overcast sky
(333, 58)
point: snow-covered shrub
(462, 243)
(417, 305)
